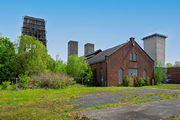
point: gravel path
(147, 111)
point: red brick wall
(97, 67)
(120, 59)
(174, 74)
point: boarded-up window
(144, 74)
(131, 57)
(102, 76)
(134, 57)
(120, 76)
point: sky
(106, 23)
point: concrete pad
(146, 111)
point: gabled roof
(93, 54)
(100, 57)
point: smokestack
(72, 48)
(155, 47)
(88, 48)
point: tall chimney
(72, 48)
(154, 46)
(88, 48)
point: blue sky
(105, 23)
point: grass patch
(172, 87)
(42, 103)
(52, 103)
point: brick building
(174, 74)
(112, 65)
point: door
(120, 76)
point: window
(133, 57)
(101, 76)
(144, 74)
(132, 72)
(130, 56)
(120, 76)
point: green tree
(169, 64)
(79, 69)
(56, 66)
(32, 57)
(160, 73)
(7, 55)
(177, 63)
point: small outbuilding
(112, 65)
(174, 74)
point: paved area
(120, 96)
(146, 111)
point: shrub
(23, 81)
(160, 73)
(146, 81)
(79, 69)
(127, 80)
(139, 82)
(7, 85)
(50, 80)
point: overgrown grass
(172, 87)
(52, 103)
(42, 103)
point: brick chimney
(88, 48)
(72, 48)
(132, 39)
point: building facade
(111, 66)
(174, 74)
(34, 27)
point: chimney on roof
(88, 48)
(132, 39)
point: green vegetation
(139, 82)
(177, 63)
(172, 87)
(79, 69)
(127, 81)
(53, 103)
(7, 56)
(160, 74)
(169, 64)
(31, 59)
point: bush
(160, 74)
(50, 80)
(139, 82)
(79, 69)
(127, 80)
(7, 85)
(146, 81)
(23, 81)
